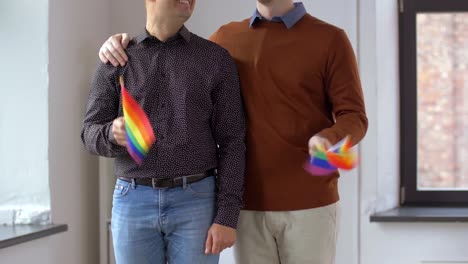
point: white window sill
(422, 214)
(17, 234)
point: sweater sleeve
(344, 92)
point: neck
(274, 8)
(161, 28)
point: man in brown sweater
(301, 88)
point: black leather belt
(170, 183)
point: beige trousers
(291, 237)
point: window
(434, 101)
(24, 167)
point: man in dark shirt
(182, 204)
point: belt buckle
(153, 182)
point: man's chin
(185, 17)
(185, 9)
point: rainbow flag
(340, 156)
(140, 134)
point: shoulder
(329, 34)
(106, 70)
(133, 46)
(321, 26)
(230, 30)
(214, 49)
(235, 26)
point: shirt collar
(184, 32)
(289, 19)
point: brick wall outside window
(442, 57)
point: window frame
(408, 10)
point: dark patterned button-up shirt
(189, 88)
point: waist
(171, 182)
(289, 191)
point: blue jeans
(163, 225)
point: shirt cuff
(110, 135)
(227, 216)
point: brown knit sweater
(296, 83)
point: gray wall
(76, 30)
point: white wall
(41, 251)
(23, 111)
(390, 243)
(75, 31)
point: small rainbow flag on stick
(140, 135)
(340, 156)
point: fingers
(119, 132)
(327, 144)
(209, 244)
(102, 57)
(106, 52)
(121, 140)
(214, 244)
(125, 41)
(219, 238)
(113, 54)
(317, 143)
(113, 50)
(119, 123)
(314, 147)
(117, 50)
(218, 245)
